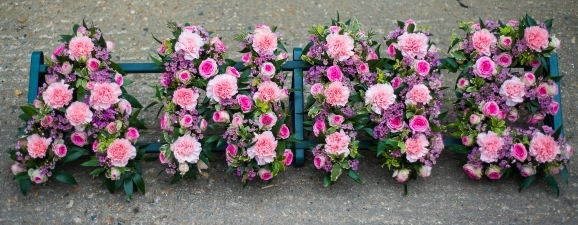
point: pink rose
(288, 156)
(319, 161)
(505, 42)
(421, 67)
(120, 151)
(419, 124)
(552, 90)
(491, 108)
(246, 58)
(380, 97)
(78, 114)
(544, 148)
(317, 89)
(186, 98)
(490, 146)
(281, 56)
(536, 118)
(475, 119)
(265, 42)
(58, 51)
(162, 158)
(513, 91)
(222, 87)
(418, 94)
(534, 63)
(554, 106)
(396, 82)
(115, 173)
(536, 38)
(104, 95)
(528, 170)
(119, 79)
(80, 47)
(38, 177)
(518, 151)
(66, 68)
(267, 121)
(221, 116)
(542, 90)
(47, 121)
(190, 43)
(245, 103)
(555, 43)
(472, 171)
(186, 149)
(485, 67)
(483, 40)
(468, 141)
(494, 172)
(208, 68)
(336, 94)
(267, 69)
(57, 95)
(37, 145)
(339, 47)
(79, 138)
(504, 60)
(391, 50)
(268, 91)
(337, 143)
(218, 44)
(132, 134)
(318, 127)
(363, 68)
(203, 125)
(334, 73)
(231, 151)
(336, 120)
(59, 150)
(425, 171)
(284, 132)
(395, 124)
(185, 76)
(416, 147)
(95, 146)
(263, 150)
(17, 168)
(112, 128)
(125, 107)
(334, 29)
(401, 175)
(183, 168)
(237, 120)
(110, 46)
(265, 174)
(92, 64)
(232, 71)
(413, 45)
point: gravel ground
(297, 196)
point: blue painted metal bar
(556, 120)
(297, 112)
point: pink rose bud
(284, 132)
(125, 107)
(219, 46)
(267, 69)
(372, 55)
(46, 121)
(555, 42)
(504, 60)
(491, 108)
(553, 170)
(119, 79)
(262, 28)
(513, 23)
(475, 119)
(265, 174)
(476, 26)
(463, 83)
(395, 82)
(90, 85)
(494, 172)
(221, 116)
(79, 138)
(60, 150)
(17, 168)
(38, 104)
(433, 48)
(534, 63)
(95, 146)
(201, 165)
(58, 50)
(237, 120)
(554, 107)
(518, 151)
(407, 23)
(421, 67)
(502, 115)
(334, 29)
(183, 168)
(92, 64)
(529, 79)
(111, 128)
(164, 121)
(391, 50)
(363, 68)
(318, 127)
(267, 121)
(513, 115)
(281, 56)
(110, 46)
(552, 90)
(208, 68)
(319, 161)
(231, 151)
(468, 141)
(472, 171)
(203, 125)
(37, 177)
(189, 28)
(395, 124)
(505, 42)
(186, 121)
(528, 170)
(246, 58)
(317, 89)
(80, 31)
(162, 158)
(419, 124)
(288, 157)
(336, 120)
(542, 90)
(245, 102)
(132, 134)
(401, 175)
(334, 73)
(424, 171)
(114, 173)
(66, 68)
(536, 118)
(284, 94)
(232, 71)
(184, 76)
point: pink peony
(485, 67)
(472, 171)
(418, 94)
(396, 82)
(483, 40)
(78, 114)
(245, 102)
(475, 119)
(222, 87)
(288, 156)
(363, 68)
(544, 148)
(186, 149)
(421, 67)
(494, 172)
(120, 151)
(339, 46)
(92, 64)
(334, 73)
(319, 161)
(542, 90)
(267, 121)
(518, 151)
(528, 170)
(395, 124)
(17, 168)
(554, 107)
(536, 38)
(318, 127)
(336, 94)
(335, 120)
(79, 138)
(380, 97)
(218, 44)
(263, 150)
(37, 145)
(284, 132)
(513, 91)
(221, 116)
(337, 143)
(59, 150)
(115, 173)
(504, 60)
(57, 95)
(190, 43)
(419, 124)
(391, 49)
(317, 89)
(265, 42)
(267, 69)
(268, 91)
(232, 71)
(401, 175)
(131, 134)
(104, 95)
(490, 146)
(125, 107)
(491, 108)
(208, 68)
(416, 147)
(66, 68)
(424, 171)
(186, 98)
(237, 120)
(505, 42)
(413, 45)
(80, 47)
(231, 151)
(265, 174)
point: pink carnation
(284, 132)
(334, 73)
(336, 94)
(79, 138)
(421, 67)
(317, 89)
(208, 68)
(186, 98)
(37, 145)
(513, 91)
(245, 102)
(504, 59)
(222, 87)
(490, 146)
(268, 91)
(104, 95)
(339, 46)
(186, 149)
(485, 67)
(380, 97)
(544, 148)
(57, 95)
(190, 43)
(265, 42)
(483, 40)
(80, 47)
(518, 151)
(413, 45)
(263, 150)
(418, 94)
(419, 123)
(337, 143)
(416, 147)
(78, 114)
(536, 38)
(120, 151)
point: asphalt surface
(298, 195)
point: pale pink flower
(186, 149)
(265, 174)
(337, 143)
(319, 161)
(284, 132)
(339, 46)
(190, 28)
(380, 97)
(237, 120)
(38, 177)
(421, 67)
(518, 151)
(467, 141)
(413, 45)
(317, 89)
(395, 124)
(281, 56)
(104, 95)
(504, 59)
(17, 168)
(222, 87)
(66, 68)
(418, 94)
(186, 98)
(119, 79)
(475, 119)
(401, 175)
(246, 58)
(494, 172)
(513, 91)
(190, 43)
(110, 46)
(485, 67)
(527, 170)
(263, 150)
(124, 106)
(165, 121)
(79, 138)
(513, 23)
(483, 40)
(554, 43)
(267, 69)
(245, 102)
(120, 151)
(372, 55)
(232, 71)
(318, 127)
(267, 91)
(131, 134)
(416, 147)
(184, 76)
(183, 168)
(544, 148)
(536, 38)
(267, 120)
(264, 42)
(490, 146)
(162, 158)
(419, 123)
(552, 89)
(203, 125)
(80, 47)
(208, 68)
(57, 95)
(336, 94)
(425, 171)
(491, 108)
(334, 73)
(78, 114)
(334, 29)
(505, 42)
(407, 23)
(37, 145)
(513, 115)
(335, 120)
(537, 117)
(218, 44)
(115, 173)
(221, 116)
(472, 171)
(554, 107)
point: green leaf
(335, 172)
(529, 21)
(29, 110)
(128, 187)
(327, 180)
(73, 154)
(526, 182)
(458, 149)
(443, 115)
(176, 178)
(353, 175)
(21, 176)
(212, 139)
(556, 134)
(459, 55)
(553, 184)
(92, 162)
(137, 179)
(548, 24)
(132, 100)
(117, 68)
(97, 171)
(25, 186)
(369, 131)
(64, 177)
(564, 174)
(410, 28)
(281, 46)
(434, 127)
(150, 105)
(281, 147)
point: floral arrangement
(82, 104)
(251, 105)
(490, 94)
(404, 104)
(342, 57)
(190, 60)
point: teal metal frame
(297, 66)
